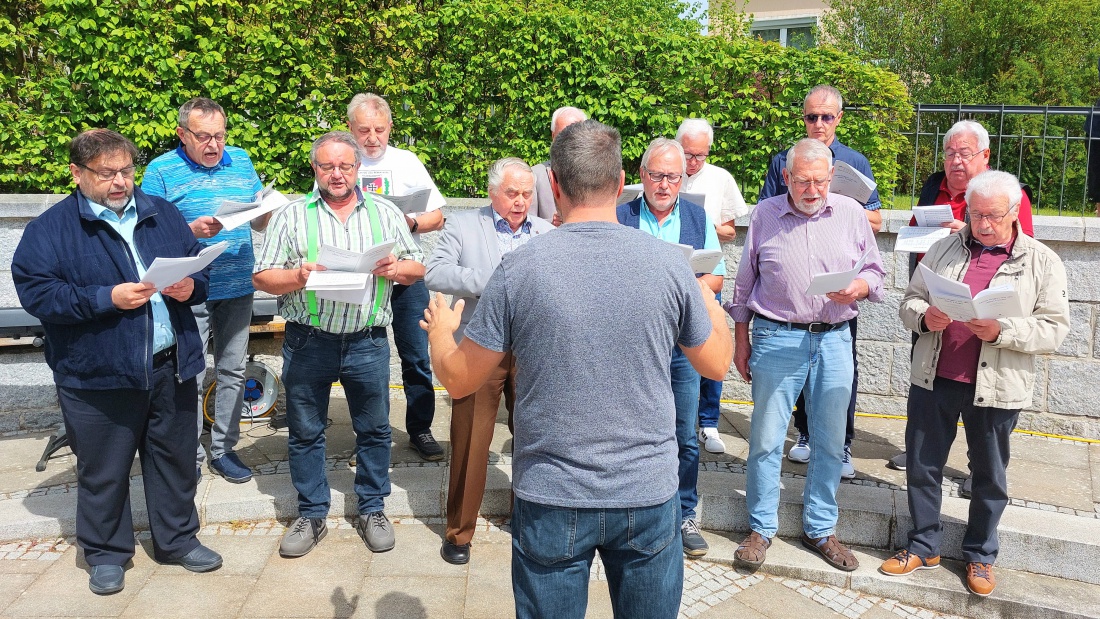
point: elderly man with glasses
(979, 370)
(197, 176)
(800, 340)
(336, 335)
(821, 113)
(660, 212)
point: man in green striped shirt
(341, 336)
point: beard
(330, 196)
(809, 210)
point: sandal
(834, 553)
(753, 550)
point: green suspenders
(313, 222)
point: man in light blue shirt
(660, 212)
(200, 174)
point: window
(796, 32)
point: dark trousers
(408, 304)
(929, 432)
(105, 429)
(800, 404)
(473, 419)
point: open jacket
(65, 267)
(1006, 367)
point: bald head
(563, 117)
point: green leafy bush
(468, 81)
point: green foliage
(469, 82)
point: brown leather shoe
(979, 578)
(753, 550)
(834, 553)
(905, 563)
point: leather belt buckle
(819, 327)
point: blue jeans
(408, 304)
(685, 391)
(710, 397)
(784, 361)
(312, 360)
(227, 320)
(553, 549)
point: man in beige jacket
(979, 369)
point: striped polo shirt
(286, 246)
(198, 191)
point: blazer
(465, 256)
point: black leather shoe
(455, 554)
(106, 579)
(201, 559)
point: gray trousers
(929, 432)
(226, 321)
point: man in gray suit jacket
(543, 204)
(468, 251)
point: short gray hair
(587, 161)
(368, 102)
(833, 94)
(695, 126)
(566, 109)
(661, 145)
(339, 137)
(808, 149)
(202, 105)
(996, 184)
(496, 170)
(968, 126)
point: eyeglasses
(657, 177)
(803, 185)
(993, 219)
(203, 138)
(109, 175)
(948, 155)
(813, 118)
(328, 168)
(694, 157)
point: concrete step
(1018, 593)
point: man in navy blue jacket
(124, 355)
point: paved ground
(341, 578)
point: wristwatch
(416, 225)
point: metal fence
(1045, 147)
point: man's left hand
(986, 329)
(181, 290)
(854, 292)
(439, 316)
(386, 267)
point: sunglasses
(813, 118)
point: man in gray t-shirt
(591, 315)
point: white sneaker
(801, 450)
(711, 441)
(847, 471)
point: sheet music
(167, 271)
(918, 240)
(850, 182)
(934, 215)
(825, 283)
(953, 298)
(233, 214)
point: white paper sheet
(336, 280)
(850, 182)
(167, 271)
(953, 298)
(705, 260)
(933, 215)
(824, 283)
(630, 192)
(415, 202)
(918, 240)
(234, 214)
(350, 263)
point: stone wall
(1066, 381)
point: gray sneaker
(694, 544)
(302, 536)
(377, 531)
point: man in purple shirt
(800, 341)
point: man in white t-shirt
(723, 203)
(393, 171)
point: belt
(812, 327)
(164, 356)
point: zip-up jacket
(65, 267)
(1006, 366)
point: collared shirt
(785, 249)
(507, 240)
(198, 191)
(960, 348)
(669, 230)
(286, 246)
(163, 334)
(723, 199)
(958, 207)
(774, 185)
